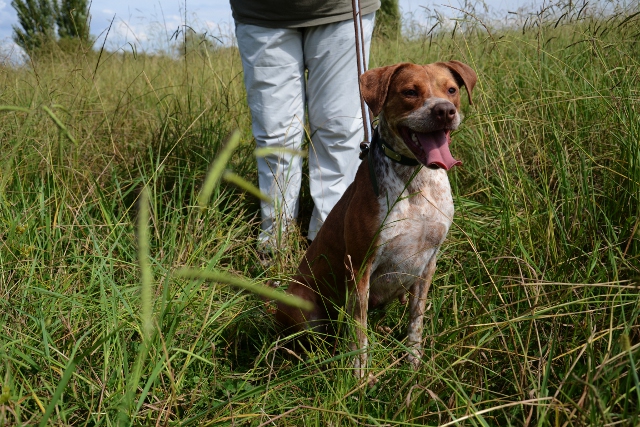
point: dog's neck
(394, 177)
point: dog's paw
(385, 330)
(414, 357)
(371, 380)
(414, 361)
(360, 365)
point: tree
(388, 20)
(72, 18)
(37, 19)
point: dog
(381, 240)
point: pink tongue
(436, 147)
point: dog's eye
(452, 90)
(410, 93)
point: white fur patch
(415, 219)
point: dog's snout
(444, 111)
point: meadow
(533, 313)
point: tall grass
(533, 316)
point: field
(533, 314)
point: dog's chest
(415, 222)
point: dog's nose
(444, 111)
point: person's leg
(273, 66)
(335, 118)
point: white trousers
(274, 63)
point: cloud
(7, 19)
(11, 53)
(150, 26)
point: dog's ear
(464, 75)
(374, 85)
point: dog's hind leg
(417, 304)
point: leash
(362, 67)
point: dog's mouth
(431, 149)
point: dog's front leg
(417, 304)
(358, 307)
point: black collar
(388, 151)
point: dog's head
(419, 106)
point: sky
(148, 25)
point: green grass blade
(127, 411)
(14, 108)
(245, 185)
(59, 123)
(267, 151)
(264, 291)
(217, 168)
(146, 275)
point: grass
(533, 316)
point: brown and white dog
(374, 248)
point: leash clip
(364, 149)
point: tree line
(65, 23)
